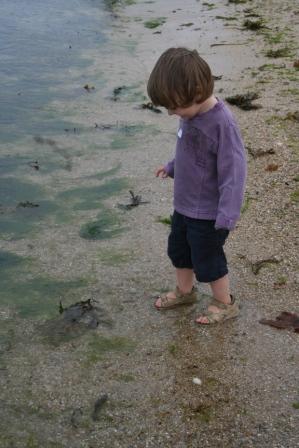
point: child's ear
(198, 95)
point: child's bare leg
(221, 292)
(184, 279)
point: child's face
(186, 112)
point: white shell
(197, 381)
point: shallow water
(40, 43)
(48, 51)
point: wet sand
(144, 360)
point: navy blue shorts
(196, 244)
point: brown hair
(180, 78)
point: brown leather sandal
(180, 299)
(226, 311)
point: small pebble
(197, 381)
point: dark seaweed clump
(151, 107)
(254, 25)
(279, 53)
(244, 101)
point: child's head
(179, 79)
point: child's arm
(231, 170)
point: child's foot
(175, 298)
(219, 312)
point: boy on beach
(209, 171)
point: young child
(209, 171)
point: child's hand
(160, 172)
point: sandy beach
(129, 383)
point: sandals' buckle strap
(223, 306)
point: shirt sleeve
(169, 168)
(231, 172)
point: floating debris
(98, 406)
(135, 201)
(117, 92)
(103, 127)
(44, 141)
(88, 87)
(244, 101)
(27, 204)
(74, 130)
(187, 24)
(151, 107)
(284, 320)
(34, 165)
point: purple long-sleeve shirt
(209, 168)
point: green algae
(88, 198)
(32, 295)
(110, 257)
(99, 346)
(209, 5)
(17, 222)
(173, 349)
(295, 196)
(281, 281)
(154, 23)
(166, 220)
(254, 25)
(226, 18)
(246, 203)
(112, 4)
(108, 173)
(279, 52)
(275, 38)
(129, 136)
(125, 377)
(106, 226)
(32, 442)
